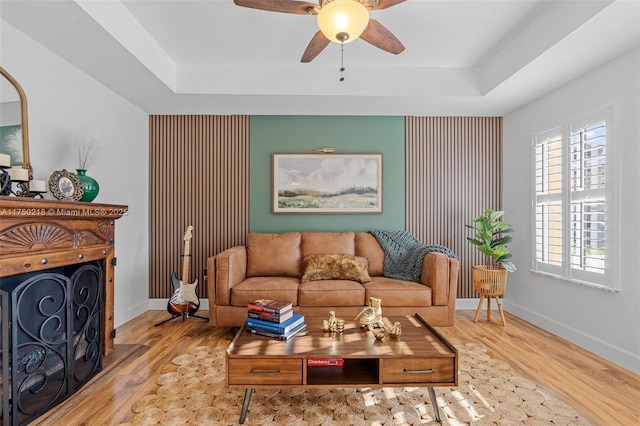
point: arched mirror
(14, 129)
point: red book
(268, 316)
(272, 306)
(325, 362)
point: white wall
(605, 323)
(9, 113)
(65, 105)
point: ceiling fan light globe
(343, 16)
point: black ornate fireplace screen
(51, 337)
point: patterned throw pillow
(335, 267)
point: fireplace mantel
(38, 234)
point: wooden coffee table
(421, 357)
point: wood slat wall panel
(452, 174)
(199, 176)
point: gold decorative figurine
(333, 324)
(394, 331)
(371, 319)
(371, 315)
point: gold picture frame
(326, 183)
(65, 185)
(15, 135)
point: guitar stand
(183, 315)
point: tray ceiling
(212, 57)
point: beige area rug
(488, 394)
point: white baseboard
(593, 344)
(132, 312)
(161, 304)
(468, 304)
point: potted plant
(491, 239)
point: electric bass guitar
(184, 300)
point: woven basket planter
(489, 280)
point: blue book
(271, 327)
(300, 327)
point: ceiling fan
(340, 21)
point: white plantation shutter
(588, 214)
(574, 203)
(548, 202)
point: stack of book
(273, 318)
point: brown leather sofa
(270, 267)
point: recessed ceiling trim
(324, 81)
(114, 18)
(611, 33)
(555, 23)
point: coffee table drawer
(265, 372)
(419, 370)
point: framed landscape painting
(327, 183)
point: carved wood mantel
(38, 234)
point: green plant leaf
(502, 241)
(486, 250)
(509, 266)
(474, 241)
(495, 215)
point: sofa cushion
(397, 292)
(335, 267)
(331, 293)
(367, 246)
(276, 288)
(272, 255)
(328, 243)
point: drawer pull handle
(429, 371)
(264, 373)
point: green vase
(89, 185)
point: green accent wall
(302, 134)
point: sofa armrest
(441, 274)
(226, 269)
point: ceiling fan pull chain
(342, 61)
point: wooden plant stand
(490, 282)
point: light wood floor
(603, 393)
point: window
(574, 201)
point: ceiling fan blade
(316, 45)
(379, 36)
(384, 4)
(284, 6)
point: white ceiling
(475, 57)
